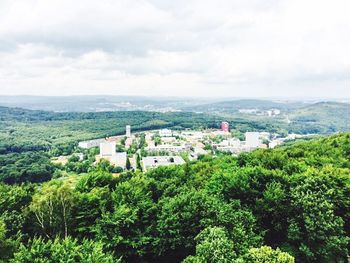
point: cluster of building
(253, 140)
(167, 147)
(258, 112)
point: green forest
(289, 204)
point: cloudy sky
(236, 48)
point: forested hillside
(331, 116)
(233, 106)
(283, 205)
(97, 103)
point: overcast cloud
(251, 48)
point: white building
(108, 152)
(234, 142)
(195, 135)
(220, 133)
(91, 143)
(165, 133)
(107, 149)
(167, 148)
(167, 140)
(248, 111)
(128, 142)
(196, 152)
(128, 131)
(151, 162)
(119, 159)
(233, 149)
(199, 151)
(252, 139)
(276, 111)
(274, 143)
(273, 112)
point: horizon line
(182, 97)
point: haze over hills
(232, 106)
(163, 104)
(100, 103)
(335, 114)
(291, 116)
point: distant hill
(99, 103)
(297, 117)
(131, 103)
(236, 105)
(334, 116)
(316, 111)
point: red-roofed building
(225, 126)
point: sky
(246, 48)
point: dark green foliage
(14, 201)
(138, 162)
(88, 209)
(315, 231)
(128, 228)
(27, 167)
(95, 179)
(128, 164)
(7, 246)
(185, 215)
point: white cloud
(156, 47)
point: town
(150, 149)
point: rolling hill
(332, 116)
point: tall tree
(52, 208)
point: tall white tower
(128, 131)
